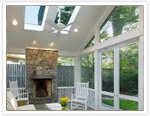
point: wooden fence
(65, 76)
(16, 72)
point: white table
(54, 106)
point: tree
(65, 14)
(108, 71)
(87, 69)
(129, 70)
(122, 19)
(123, 15)
(104, 35)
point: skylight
(64, 13)
(72, 18)
(34, 16)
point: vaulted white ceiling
(18, 38)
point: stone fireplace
(41, 73)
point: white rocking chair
(19, 93)
(80, 99)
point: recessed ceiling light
(34, 42)
(75, 30)
(15, 22)
(51, 44)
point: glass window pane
(15, 58)
(129, 70)
(128, 104)
(108, 71)
(64, 13)
(34, 14)
(90, 43)
(66, 61)
(87, 69)
(108, 101)
(121, 20)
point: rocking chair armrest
(73, 96)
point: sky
(31, 14)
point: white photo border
(4, 42)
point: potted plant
(64, 102)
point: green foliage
(65, 14)
(90, 43)
(123, 15)
(124, 104)
(129, 70)
(128, 105)
(108, 59)
(122, 19)
(104, 36)
(108, 102)
(65, 60)
(87, 65)
(107, 80)
(107, 71)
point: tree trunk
(117, 26)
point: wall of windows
(119, 77)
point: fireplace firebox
(42, 87)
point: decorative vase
(64, 108)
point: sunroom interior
(101, 45)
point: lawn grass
(124, 104)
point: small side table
(22, 102)
(54, 106)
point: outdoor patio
(61, 46)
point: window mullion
(116, 78)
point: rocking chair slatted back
(14, 88)
(82, 90)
